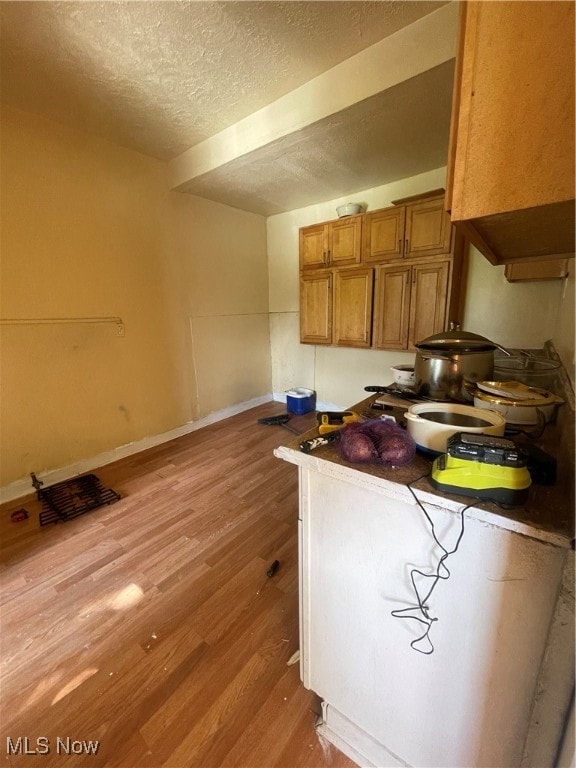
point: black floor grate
(72, 498)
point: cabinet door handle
(407, 247)
(324, 257)
(328, 252)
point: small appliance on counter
(482, 466)
(517, 402)
(432, 424)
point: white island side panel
(469, 703)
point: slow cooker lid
(458, 340)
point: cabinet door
(353, 307)
(391, 307)
(316, 308)
(345, 241)
(428, 295)
(313, 246)
(428, 229)
(511, 159)
(384, 235)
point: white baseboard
(24, 487)
(354, 742)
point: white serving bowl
(403, 375)
(350, 209)
(431, 424)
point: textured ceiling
(160, 77)
(351, 151)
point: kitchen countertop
(548, 513)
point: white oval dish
(431, 435)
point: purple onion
(376, 441)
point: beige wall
(511, 314)
(515, 315)
(90, 230)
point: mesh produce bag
(378, 442)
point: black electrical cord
(441, 574)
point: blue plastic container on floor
(300, 400)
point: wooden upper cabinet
(384, 235)
(333, 243)
(353, 307)
(345, 240)
(428, 229)
(409, 285)
(316, 308)
(530, 271)
(410, 303)
(428, 300)
(392, 307)
(313, 246)
(413, 227)
(511, 160)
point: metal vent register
(71, 498)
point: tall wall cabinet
(405, 282)
(511, 162)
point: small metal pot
(448, 364)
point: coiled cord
(421, 611)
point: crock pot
(520, 411)
(431, 424)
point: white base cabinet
(490, 694)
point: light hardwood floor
(150, 625)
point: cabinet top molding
(422, 196)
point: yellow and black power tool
(482, 466)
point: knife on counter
(401, 395)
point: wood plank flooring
(150, 625)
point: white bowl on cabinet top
(349, 209)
